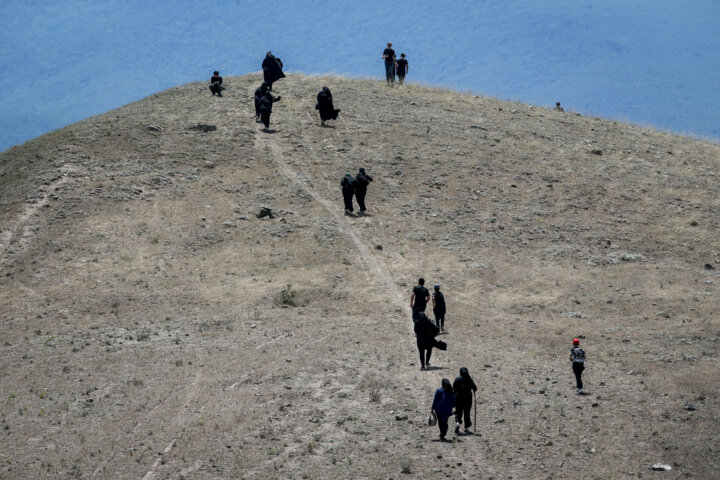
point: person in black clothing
(348, 190)
(216, 84)
(272, 69)
(389, 57)
(438, 301)
(325, 106)
(265, 108)
(577, 357)
(425, 331)
(402, 69)
(261, 90)
(463, 387)
(362, 180)
(419, 298)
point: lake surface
(651, 62)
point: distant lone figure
(389, 57)
(402, 69)
(362, 180)
(216, 84)
(265, 108)
(438, 301)
(558, 108)
(272, 69)
(261, 90)
(325, 106)
(419, 298)
(348, 190)
(577, 357)
(442, 405)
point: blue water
(652, 62)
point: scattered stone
(690, 407)
(200, 127)
(380, 247)
(596, 404)
(661, 467)
(315, 420)
(401, 416)
(499, 420)
(209, 165)
(596, 151)
(154, 128)
(708, 266)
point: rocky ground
(154, 327)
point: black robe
(261, 90)
(325, 105)
(266, 101)
(272, 69)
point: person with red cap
(577, 357)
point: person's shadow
(327, 126)
(432, 367)
(269, 130)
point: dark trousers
(347, 198)
(463, 411)
(425, 353)
(401, 79)
(390, 72)
(257, 110)
(443, 425)
(439, 318)
(578, 368)
(265, 117)
(360, 197)
(216, 89)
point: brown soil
(154, 328)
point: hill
(154, 327)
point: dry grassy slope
(141, 338)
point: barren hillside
(153, 327)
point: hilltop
(154, 327)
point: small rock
(690, 407)
(265, 212)
(401, 416)
(380, 247)
(315, 420)
(661, 467)
(595, 404)
(595, 151)
(708, 266)
(154, 128)
(200, 127)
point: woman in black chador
(325, 106)
(272, 69)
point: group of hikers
(459, 394)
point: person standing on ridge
(362, 180)
(558, 108)
(402, 69)
(577, 357)
(325, 106)
(438, 301)
(272, 69)
(389, 57)
(442, 406)
(425, 332)
(216, 84)
(348, 190)
(463, 387)
(419, 298)
(265, 109)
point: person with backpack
(348, 190)
(325, 106)
(463, 387)
(438, 301)
(442, 406)
(362, 180)
(419, 298)
(272, 69)
(265, 108)
(425, 333)
(577, 357)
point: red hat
(576, 341)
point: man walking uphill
(438, 301)
(419, 298)
(362, 180)
(389, 57)
(577, 357)
(348, 190)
